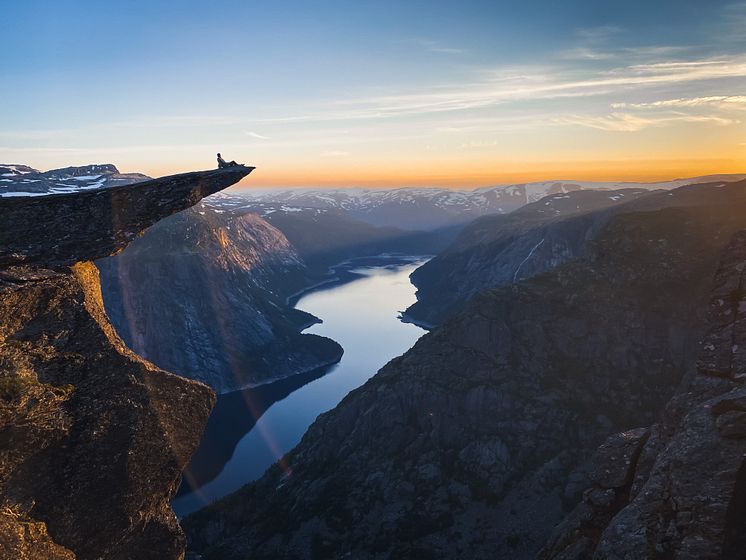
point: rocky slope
(499, 250)
(476, 442)
(94, 438)
(678, 488)
(202, 294)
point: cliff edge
(676, 489)
(94, 438)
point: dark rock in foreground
(685, 495)
(94, 438)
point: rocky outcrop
(94, 438)
(476, 442)
(60, 230)
(202, 294)
(685, 497)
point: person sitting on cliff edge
(222, 163)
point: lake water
(250, 430)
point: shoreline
(341, 273)
(394, 269)
(406, 318)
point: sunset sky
(344, 93)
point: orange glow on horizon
(477, 174)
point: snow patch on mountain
(427, 208)
(22, 180)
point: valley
(477, 441)
(383, 280)
(250, 430)
(560, 333)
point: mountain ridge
(431, 208)
(497, 250)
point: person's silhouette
(222, 163)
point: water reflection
(230, 420)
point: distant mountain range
(404, 208)
(430, 208)
(22, 180)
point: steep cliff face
(500, 250)
(682, 494)
(475, 442)
(203, 293)
(94, 438)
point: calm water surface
(249, 430)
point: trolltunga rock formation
(94, 438)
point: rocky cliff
(202, 294)
(476, 442)
(500, 250)
(677, 489)
(94, 438)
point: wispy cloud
(625, 122)
(255, 135)
(529, 83)
(628, 54)
(720, 101)
(476, 144)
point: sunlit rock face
(95, 438)
(479, 440)
(202, 294)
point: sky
(460, 93)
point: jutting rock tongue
(94, 437)
(60, 230)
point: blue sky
(332, 92)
